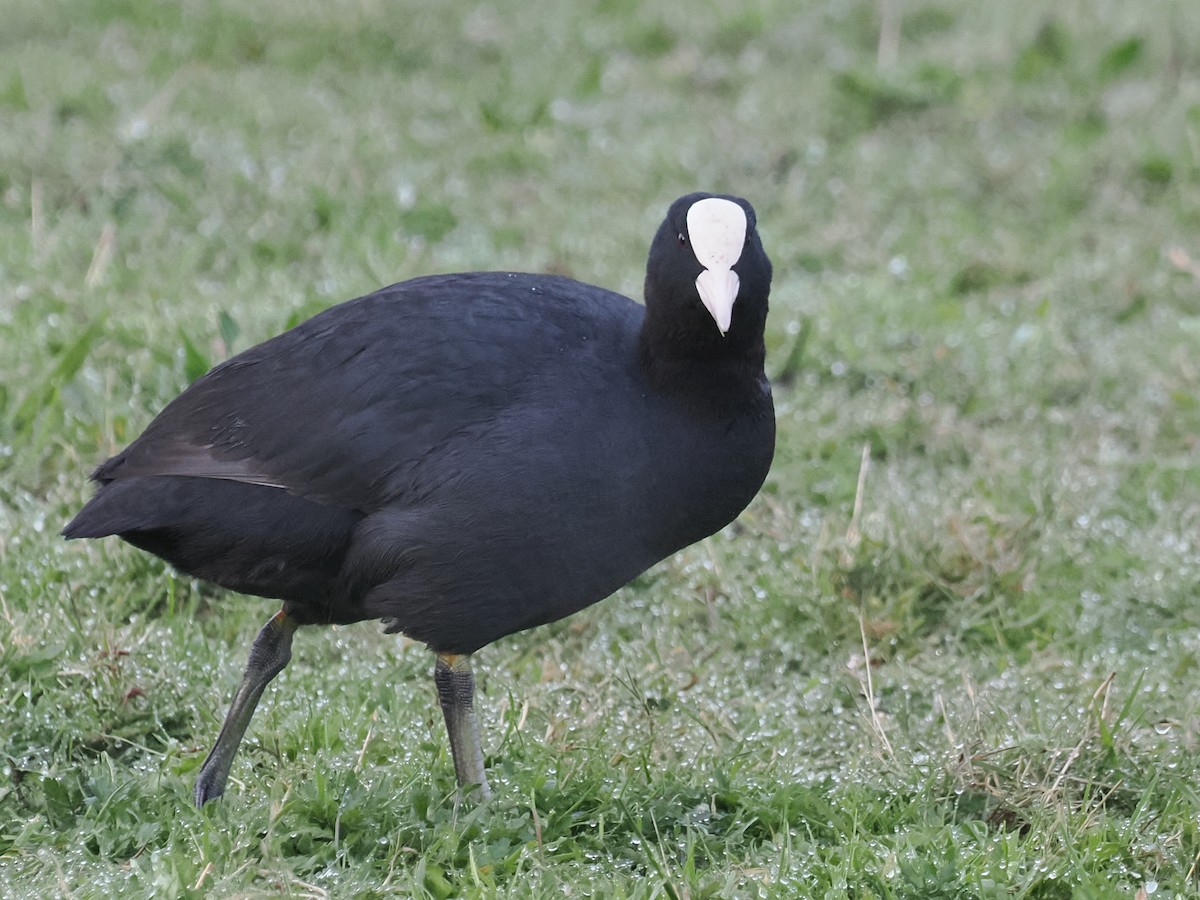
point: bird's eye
(682, 240)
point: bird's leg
(456, 691)
(269, 655)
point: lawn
(951, 651)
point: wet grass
(961, 664)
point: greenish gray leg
(456, 691)
(269, 655)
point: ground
(952, 649)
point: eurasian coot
(462, 456)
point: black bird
(462, 456)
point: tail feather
(250, 538)
(121, 506)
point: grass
(964, 664)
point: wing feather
(344, 408)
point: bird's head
(707, 258)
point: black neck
(715, 371)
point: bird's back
(339, 408)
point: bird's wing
(346, 407)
